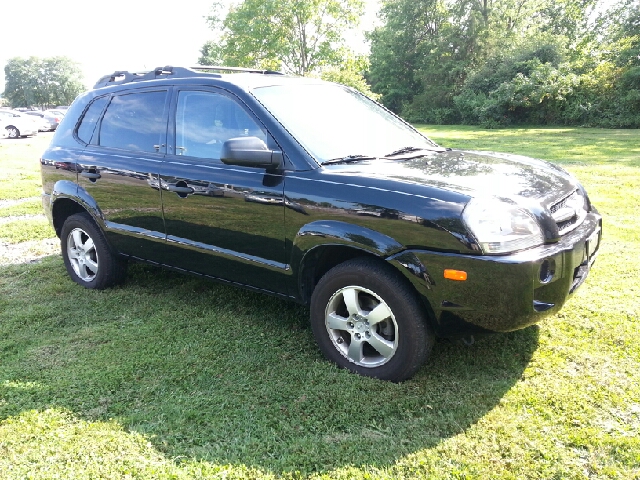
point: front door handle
(91, 175)
(183, 190)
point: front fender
(331, 232)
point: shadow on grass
(218, 374)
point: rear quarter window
(134, 121)
(90, 119)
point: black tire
(87, 256)
(13, 132)
(383, 333)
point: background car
(50, 120)
(17, 124)
(58, 112)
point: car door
(119, 169)
(222, 221)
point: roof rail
(120, 76)
(115, 78)
(236, 69)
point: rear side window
(90, 119)
(135, 121)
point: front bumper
(503, 293)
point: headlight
(500, 227)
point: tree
(500, 61)
(297, 36)
(41, 82)
(351, 73)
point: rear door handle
(185, 190)
(91, 175)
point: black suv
(311, 191)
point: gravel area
(28, 252)
(25, 252)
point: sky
(103, 37)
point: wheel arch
(319, 260)
(68, 199)
(62, 209)
(321, 245)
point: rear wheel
(87, 257)
(366, 319)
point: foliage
(501, 62)
(351, 73)
(528, 86)
(42, 82)
(412, 37)
(297, 36)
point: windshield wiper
(404, 150)
(348, 159)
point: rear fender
(65, 189)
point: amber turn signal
(455, 275)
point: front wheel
(366, 318)
(87, 257)
(13, 132)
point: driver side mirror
(250, 152)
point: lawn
(169, 376)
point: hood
(476, 174)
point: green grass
(169, 376)
(19, 164)
(565, 146)
(24, 230)
(30, 207)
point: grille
(569, 212)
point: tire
(87, 256)
(13, 132)
(367, 319)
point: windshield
(332, 121)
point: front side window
(134, 121)
(205, 120)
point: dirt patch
(28, 252)
(11, 203)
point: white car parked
(16, 124)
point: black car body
(258, 206)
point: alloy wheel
(361, 326)
(82, 254)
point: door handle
(183, 190)
(91, 175)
